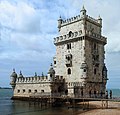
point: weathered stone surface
(79, 67)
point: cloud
(29, 26)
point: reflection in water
(10, 107)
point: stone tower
(80, 55)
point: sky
(27, 29)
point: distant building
(78, 69)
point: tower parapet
(78, 35)
(82, 16)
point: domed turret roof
(51, 70)
(14, 74)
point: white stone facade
(78, 63)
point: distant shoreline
(5, 88)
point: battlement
(92, 19)
(70, 20)
(79, 18)
(38, 79)
(79, 34)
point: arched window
(70, 34)
(35, 91)
(18, 91)
(29, 91)
(50, 75)
(69, 71)
(23, 90)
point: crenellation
(32, 79)
(71, 20)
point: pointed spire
(83, 9)
(100, 20)
(51, 65)
(99, 17)
(60, 17)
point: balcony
(68, 63)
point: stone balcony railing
(79, 34)
(66, 37)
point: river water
(10, 107)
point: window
(35, 91)
(69, 46)
(84, 70)
(69, 71)
(23, 90)
(18, 91)
(29, 91)
(70, 34)
(42, 91)
(50, 75)
(95, 71)
(95, 46)
(54, 62)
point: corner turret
(104, 72)
(83, 12)
(59, 23)
(13, 79)
(100, 20)
(51, 73)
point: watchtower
(80, 54)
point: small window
(23, 90)
(54, 62)
(69, 71)
(69, 46)
(95, 46)
(50, 75)
(35, 91)
(42, 91)
(70, 34)
(84, 70)
(18, 91)
(29, 91)
(95, 71)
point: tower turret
(13, 79)
(100, 20)
(51, 73)
(59, 23)
(104, 72)
(83, 12)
